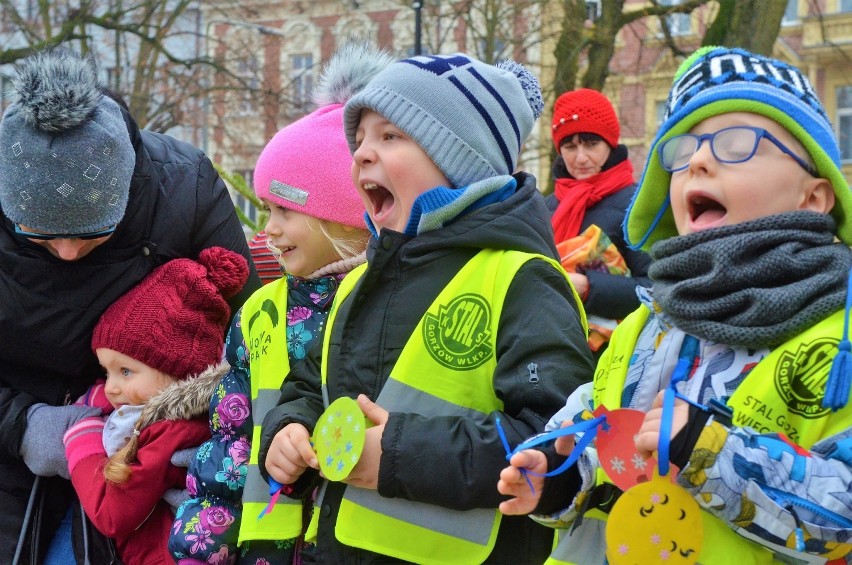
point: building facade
(816, 36)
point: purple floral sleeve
(206, 526)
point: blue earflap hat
(720, 80)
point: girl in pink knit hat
(160, 346)
(317, 230)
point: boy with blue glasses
(746, 214)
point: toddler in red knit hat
(161, 347)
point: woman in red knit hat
(593, 186)
(161, 348)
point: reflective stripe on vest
(456, 338)
(760, 400)
(264, 323)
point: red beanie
(174, 320)
(584, 111)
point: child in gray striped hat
(461, 326)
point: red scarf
(576, 196)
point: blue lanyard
(590, 427)
(688, 353)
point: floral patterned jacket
(206, 526)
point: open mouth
(381, 199)
(704, 210)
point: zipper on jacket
(787, 501)
(533, 369)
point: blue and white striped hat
(719, 80)
(471, 118)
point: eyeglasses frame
(761, 134)
(51, 236)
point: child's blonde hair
(345, 247)
(117, 469)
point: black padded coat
(178, 206)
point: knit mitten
(96, 397)
(84, 439)
(41, 446)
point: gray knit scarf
(754, 284)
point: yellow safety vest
(456, 338)
(264, 323)
(783, 393)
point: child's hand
(96, 397)
(366, 471)
(290, 453)
(647, 438)
(564, 445)
(513, 483)
(581, 284)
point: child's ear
(818, 196)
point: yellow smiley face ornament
(654, 522)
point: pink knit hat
(307, 166)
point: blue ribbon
(688, 352)
(589, 428)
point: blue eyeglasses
(735, 144)
(49, 236)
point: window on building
(679, 24)
(593, 9)
(844, 121)
(301, 81)
(244, 204)
(497, 52)
(111, 76)
(248, 70)
(791, 13)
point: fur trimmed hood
(184, 400)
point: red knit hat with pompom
(584, 111)
(174, 320)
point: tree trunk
(752, 25)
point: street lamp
(418, 8)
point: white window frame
(593, 10)
(677, 22)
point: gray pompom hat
(65, 151)
(470, 117)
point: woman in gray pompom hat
(91, 205)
